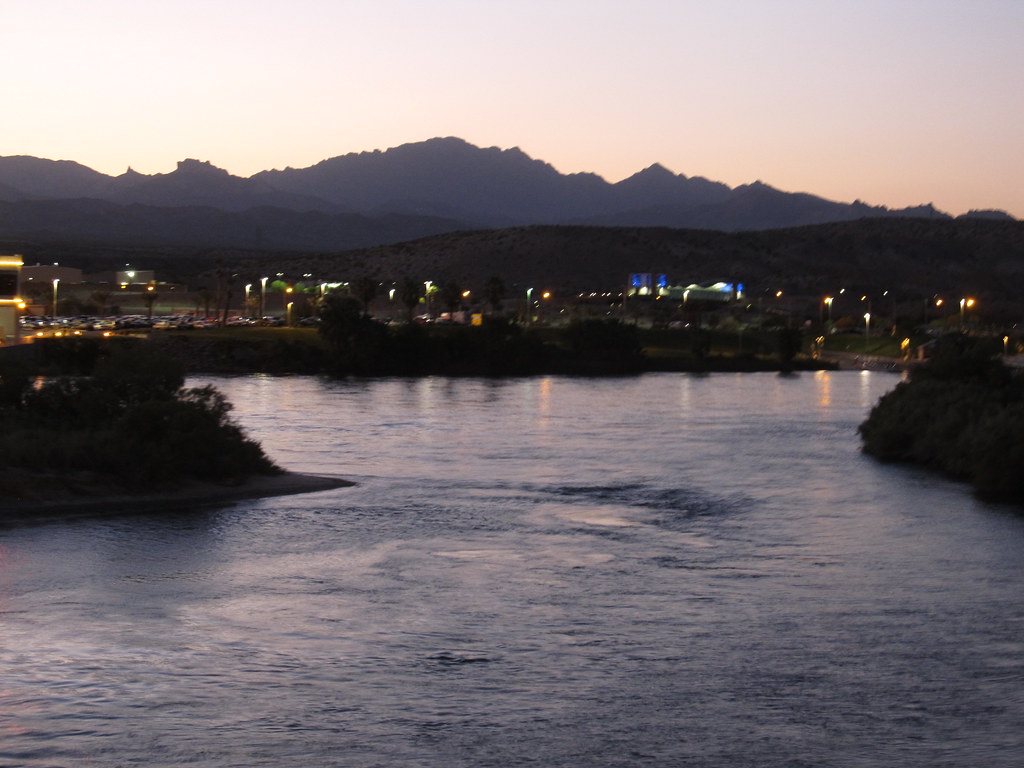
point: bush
(130, 422)
(961, 414)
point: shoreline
(194, 494)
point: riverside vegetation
(347, 342)
(117, 418)
(962, 414)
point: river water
(663, 570)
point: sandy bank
(40, 503)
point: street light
(55, 281)
(290, 303)
(263, 296)
(964, 304)
(828, 306)
(867, 330)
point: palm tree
(409, 294)
(150, 297)
(100, 299)
(451, 296)
(494, 293)
(364, 289)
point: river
(666, 570)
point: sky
(894, 102)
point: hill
(914, 259)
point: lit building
(646, 284)
(10, 300)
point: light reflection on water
(663, 570)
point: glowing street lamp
(964, 304)
(289, 315)
(263, 296)
(867, 329)
(828, 306)
(55, 281)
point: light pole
(263, 296)
(828, 306)
(964, 304)
(867, 330)
(55, 281)
(290, 303)
(529, 306)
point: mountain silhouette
(360, 199)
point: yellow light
(58, 333)
(107, 333)
(149, 287)
(778, 294)
(465, 294)
(970, 303)
(938, 302)
(289, 289)
(546, 295)
(11, 263)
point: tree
(150, 298)
(100, 299)
(356, 341)
(451, 296)
(409, 294)
(494, 293)
(364, 289)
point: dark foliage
(130, 423)
(961, 414)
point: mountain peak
(657, 169)
(195, 167)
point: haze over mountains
(369, 198)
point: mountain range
(370, 198)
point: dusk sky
(896, 103)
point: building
(646, 284)
(10, 298)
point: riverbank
(27, 496)
(594, 348)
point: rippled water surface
(664, 570)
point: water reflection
(824, 388)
